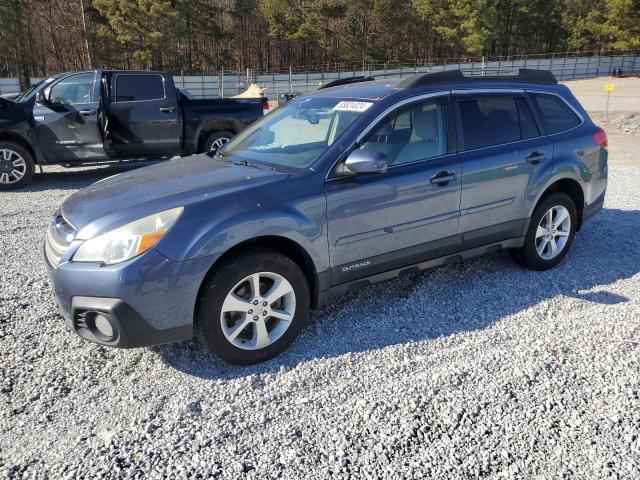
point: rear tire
(16, 166)
(252, 307)
(215, 141)
(550, 234)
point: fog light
(100, 325)
(103, 326)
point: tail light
(600, 138)
(265, 108)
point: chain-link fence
(293, 80)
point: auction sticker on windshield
(347, 106)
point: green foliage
(204, 35)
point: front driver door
(379, 222)
(66, 126)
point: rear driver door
(143, 116)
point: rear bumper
(148, 300)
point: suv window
(555, 114)
(73, 89)
(488, 121)
(528, 127)
(411, 133)
(136, 88)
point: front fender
(275, 210)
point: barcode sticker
(348, 106)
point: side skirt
(325, 295)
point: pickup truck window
(73, 89)
(296, 134)
(138, 88)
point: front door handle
(86, 113)
(443, 178)
(536, 157)
(167, 109)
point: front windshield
(296, 134)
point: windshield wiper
(245, 163)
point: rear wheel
(253, 307)
(216, 140)
(550, 234)
(16, 166)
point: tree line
(40, 37)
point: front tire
(550, 235)
(215, 141)
(16, 166)
(253, 307)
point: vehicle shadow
(441, 302)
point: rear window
(555, 114)
(136, 88)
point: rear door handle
(443, 178)
(167, 109)
(536, 157)
(86, 113)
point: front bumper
(148, 300)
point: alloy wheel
(12, 166)
(218, 143)
(258, 310)
(553, 232)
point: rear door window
(528, 127)
(137, 88)
(488, 121)
(555, 114)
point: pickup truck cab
(348, 186)
(102, 115)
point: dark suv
(350, 185)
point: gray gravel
(480, 369)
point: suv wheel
(550, 234)
(16, 166)
(253, 307)
(216, 141)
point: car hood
(125, 197)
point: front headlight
(129, 240)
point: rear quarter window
(555, 114)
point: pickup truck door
(144, 118)
(66, 125)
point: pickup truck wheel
(16, 166)
(550, 234)
(216, 141)
(253, 307)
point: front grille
(59, 235)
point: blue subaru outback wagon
(356, 183)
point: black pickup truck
(103, 116)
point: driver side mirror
(366, 161)
(42, 97)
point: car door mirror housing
(42, 97)
(366, 161)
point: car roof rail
(524, 75)
(346, 81)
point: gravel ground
(480, 369)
